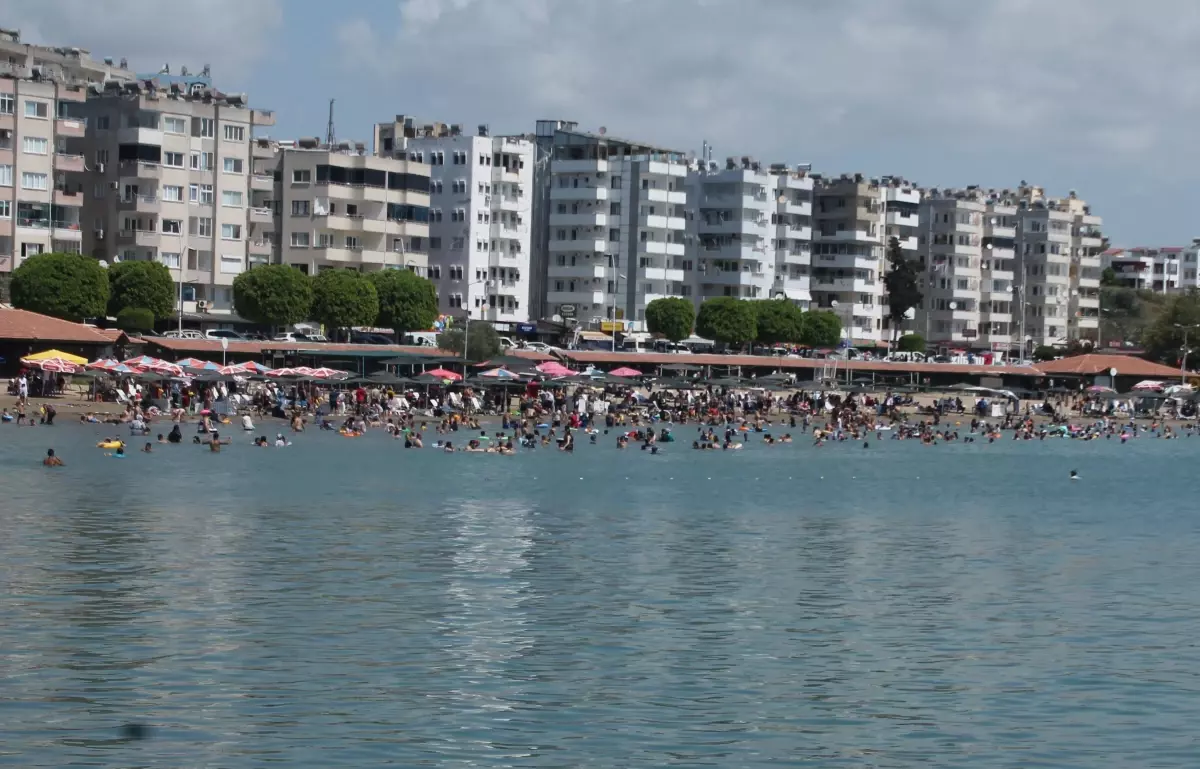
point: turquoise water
(350, 603)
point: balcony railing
(44, 224)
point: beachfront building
(43, 173)
(480, 215)
(340, 207)
(854, 218)
(1057, 281)
(1161, 270)
(751, 231)
(610, 221)
(169, 178)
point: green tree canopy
(135, 319)
(484, 341)
(672, 316)
(343, 298)
(727, 320)
(1164, 337)
(142, 284)
(273, 294)
(1045, 352)
(407, 302)
(69, 286)
(1108, 277)
(822, 328)
(778, 321)
(903, 283)
(911, 343)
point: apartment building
(480, 215)
(42, 128)
(854, 218)
(1161, 270)
(169, 178)
(614, 214)
(341, 207)
(752, 231)
(1058, 245)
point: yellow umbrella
(48, 354)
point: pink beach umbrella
(53, 365)
(499, 373)
(554, 368)
(1149, 384)
(328, 373)
(625, 371)
(104, 364)
(278, 372)
(442, 373)
(196, 363)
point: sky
(1097, 96)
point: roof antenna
(329, 128)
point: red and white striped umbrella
(278, 372)
(104, 364)
(53, 365)
(328, 373)
(164, 368)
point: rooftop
(30, 326)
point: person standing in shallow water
(51, 460)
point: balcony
(759, 279)
(595, 270)
(901, 219)
(797, 208)
(798, 233)
(736, 250)
(663, 273)
(262, 182)
(591, 166)
(264, 117)
(140, 135)
(514, 203)
(70, 127)
(673, 197)
(847, 236)
(578, 297)
(141, 203)
(663, 247)
(663, 168)
(846, 285)
(716, 226)
(259, 247)
(68, 163)
(579, 193)
(796, 257)
(663, 222)
(139, 237)
(68, 197)
(579, 220)
(999, 231)
(140, 170)
(898, 195)
(261, 215)
(589, 245)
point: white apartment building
(169, 178)
(614, 214)
(751, 230)
(855, 216)
(1057, 282)
(1161, 270)
(42, 129)
(340, 207)
(480, 215)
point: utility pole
(329, 135)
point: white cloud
(1071, 77)
(228, 34)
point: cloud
(1076, 78)
(228, 34)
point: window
(206, 161)
(174, 125)
(230, 264)
(231, 198)
(301, 176)
(194, 193)
(353, 243)
(231, 231)
(172, 194)
(324, 240)
(435, 243)
(36, 108)
(300, 208)
(6, 176)
(204, 127)
(5, 209)
(102, 123)
(32, 181)
(299, 240)
(172, 226)
(614, 234)
(201, 226)
(233, 165)
(7, 104)
(195, 161)
(235, 133)
(101, 156)
(206, 193)
(35, 145)
(173, 159)
(169, 259)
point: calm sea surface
(349, 603)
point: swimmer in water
(1074, 475)
(51, 460)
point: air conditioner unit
(201, 305)
(98, 234)
(99, 168)
(114, 185)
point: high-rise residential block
(480, 216)
(1163, 270)
(341, 207)
(170, 163)
(610, 221)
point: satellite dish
(910, 313)
(556, 318)
(953, 305)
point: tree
(903, 283)
(273, 294)
(407, 302)
(141, 284)
(1108, 277)
(1045, 352)
(343, 298)
(484, 341)
(135, 319)
(727, 320)
(69, 286)
(1164, 337)
(673, 317)
(778, 321)
(911, 343)
(821, 329)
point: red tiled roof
(529, 355)
(30, 326)
(1095, 363)
(256, 348)
(1171, 250)
(881, 367)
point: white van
(421, 338)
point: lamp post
(613, 330)
(1187, 327)
(467, 326)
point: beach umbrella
(280, 372)
(328, 373)
(1100, 389)
(554, 369)
(254, 367)
(104, 364)
(199, 365)
(52, 365)
(1149, 384)
(625, 371)
(442, 373)
(498, 373)
(58, 355)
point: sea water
(347, 602)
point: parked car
(365, 337)
(290, 336)
(538, 347)
(185, 334)
(224, 333)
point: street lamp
(613, 329)
(1183, 363)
